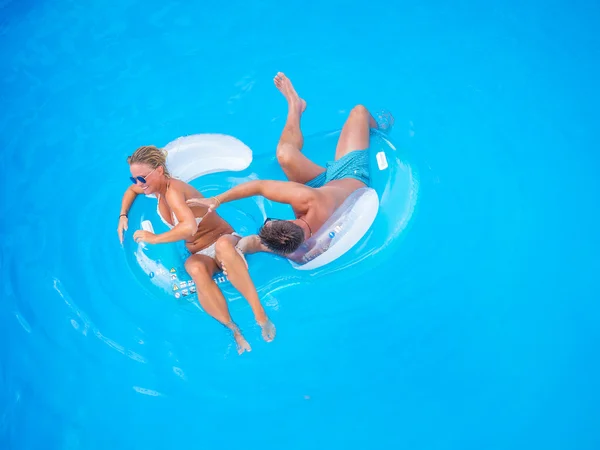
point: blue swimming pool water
(480, 328)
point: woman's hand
(144, 236)
(123, 222)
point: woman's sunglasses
(141, 179)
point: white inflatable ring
(190, 157)
(342, 231)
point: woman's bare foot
(285, 86)
(268, 330)
(241, 342)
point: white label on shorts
(381, 161)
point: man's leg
(201, 268)
(235, 268)
(356, 132)
(296, 166)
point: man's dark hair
(282, 236)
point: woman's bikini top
(173, 217)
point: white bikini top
(173, 217)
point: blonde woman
(209, 238)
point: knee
(285, 153)
(224, 248)
(359, 111)
(197, 270)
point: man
(313, 192)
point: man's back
(326, 200)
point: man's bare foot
(268, 330)
(284, 85)
(242, 343)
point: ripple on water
(23, 322)
(179, 372)
(88, 324)
(15, 292)
(145, 391)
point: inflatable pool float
(214, 163)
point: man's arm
(297, 195)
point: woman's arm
(185, 228)
(128, 198)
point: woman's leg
(234, 265)
(201, 268)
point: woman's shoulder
(181, 187)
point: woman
(209, 238)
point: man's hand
(211, 203)
(251, 244)
(144, 236)
(248, 244)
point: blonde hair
(152, 156)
